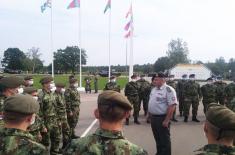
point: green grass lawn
(64, 79)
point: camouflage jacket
(2, 98)
(220, 87)
(209, 93)
(215, 149)
(47, 104)
(60, 105)
(191, 89)
(179, 88)
(104, 142)
(38, 125)
(112, 86)
(72, 99)
(171, 83)
(131, 89)
(18, 142)
(143, 86)
(231, 106)
(230, 92)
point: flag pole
(126, 55)
(131, 48)
(51, 37)
(80, 43)
(109, 42)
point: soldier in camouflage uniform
(19, 113)
(131, 91)
(220, 93)
(113, 108)
(38, 128)
(192, 96)
(219, 128)
(96, 84)
(143, 96)
(61, 112)
(179, 91)
(72, 100)
(9, 86)
(229, 93)
(112, 85)
(88, 84)
(170, 81)
(208, 93)
(48, 110)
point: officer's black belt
(163, 115)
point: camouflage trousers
(206, 103)
(1, 124)
(220, 100)
(73, 120)
(134, 100)
(37, 135)
(65, 130)
(181, 104)
(145, 100)
(53, 135)
(194, 101)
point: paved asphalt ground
(185, 137)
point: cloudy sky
(206, 25)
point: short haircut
(153, 77)
(111, 112)
(14, 118)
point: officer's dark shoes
(185, 118)
(127, 121)
(195, 119)
(136, 121)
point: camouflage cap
(133, 76)
(221, 117)
(23, 104)
(73, 80)
(209, 79)
(184, 76)
(59, 84)
(29, 77)
(192, 76)
(11, 82)
(29, 90)
(113, 98)
(46, 79)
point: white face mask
(35, 97)
(62, 90)
(53, 89)
(33, 119)
(30, 82)
(76, 85)
(20, 90)
(192, 79)
(134, 80)
(113, 80)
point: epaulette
(168, 89)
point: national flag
(129, 12)
(128, 34)
(128, 25)
(108, 6)
(47, 4)
(74, 4)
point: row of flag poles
(128, 28)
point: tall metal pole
(109, 43)
(126, 55)
(80, 43)
(131, 48)
(51, 37)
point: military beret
(113, 98)
(191, 75)
(59, 84)
(209, 79)
(30, 77)
(46, 79)
(220, 116)
(133, 76)
(184, 76)
(161, 75)
(73, 80)
(24, 104)
(71, 77)
(11, 82)
(29, 90)
(112, 77)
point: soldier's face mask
(192, 79)
(113, 80)
(76, 85)
(62, 90)
(134, 80)
(30, 82)
(36, 98)
(20, 90)
(33, 119)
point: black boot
(181, 114)
(185, 118)
(136, 120)
(194, 119)
(127, 121)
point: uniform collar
(109, 134)
(162, 87)
(216, 148)
(16, 132)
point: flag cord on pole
(52, 64)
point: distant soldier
(179, 91)
(143, 93)
(88, 84)
(47, 105)
(19, 113)
(61, 112)
(208, 93)
(131, 91)
(9, 86)
(229, 92)
(108, 139)
(96, 83)
(38, 128)
(112, 85)
(28, 81)
(192, 96)
(72, 100)
(219, 129)
(220, 93)
(170, 81)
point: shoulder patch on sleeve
(168, 89)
